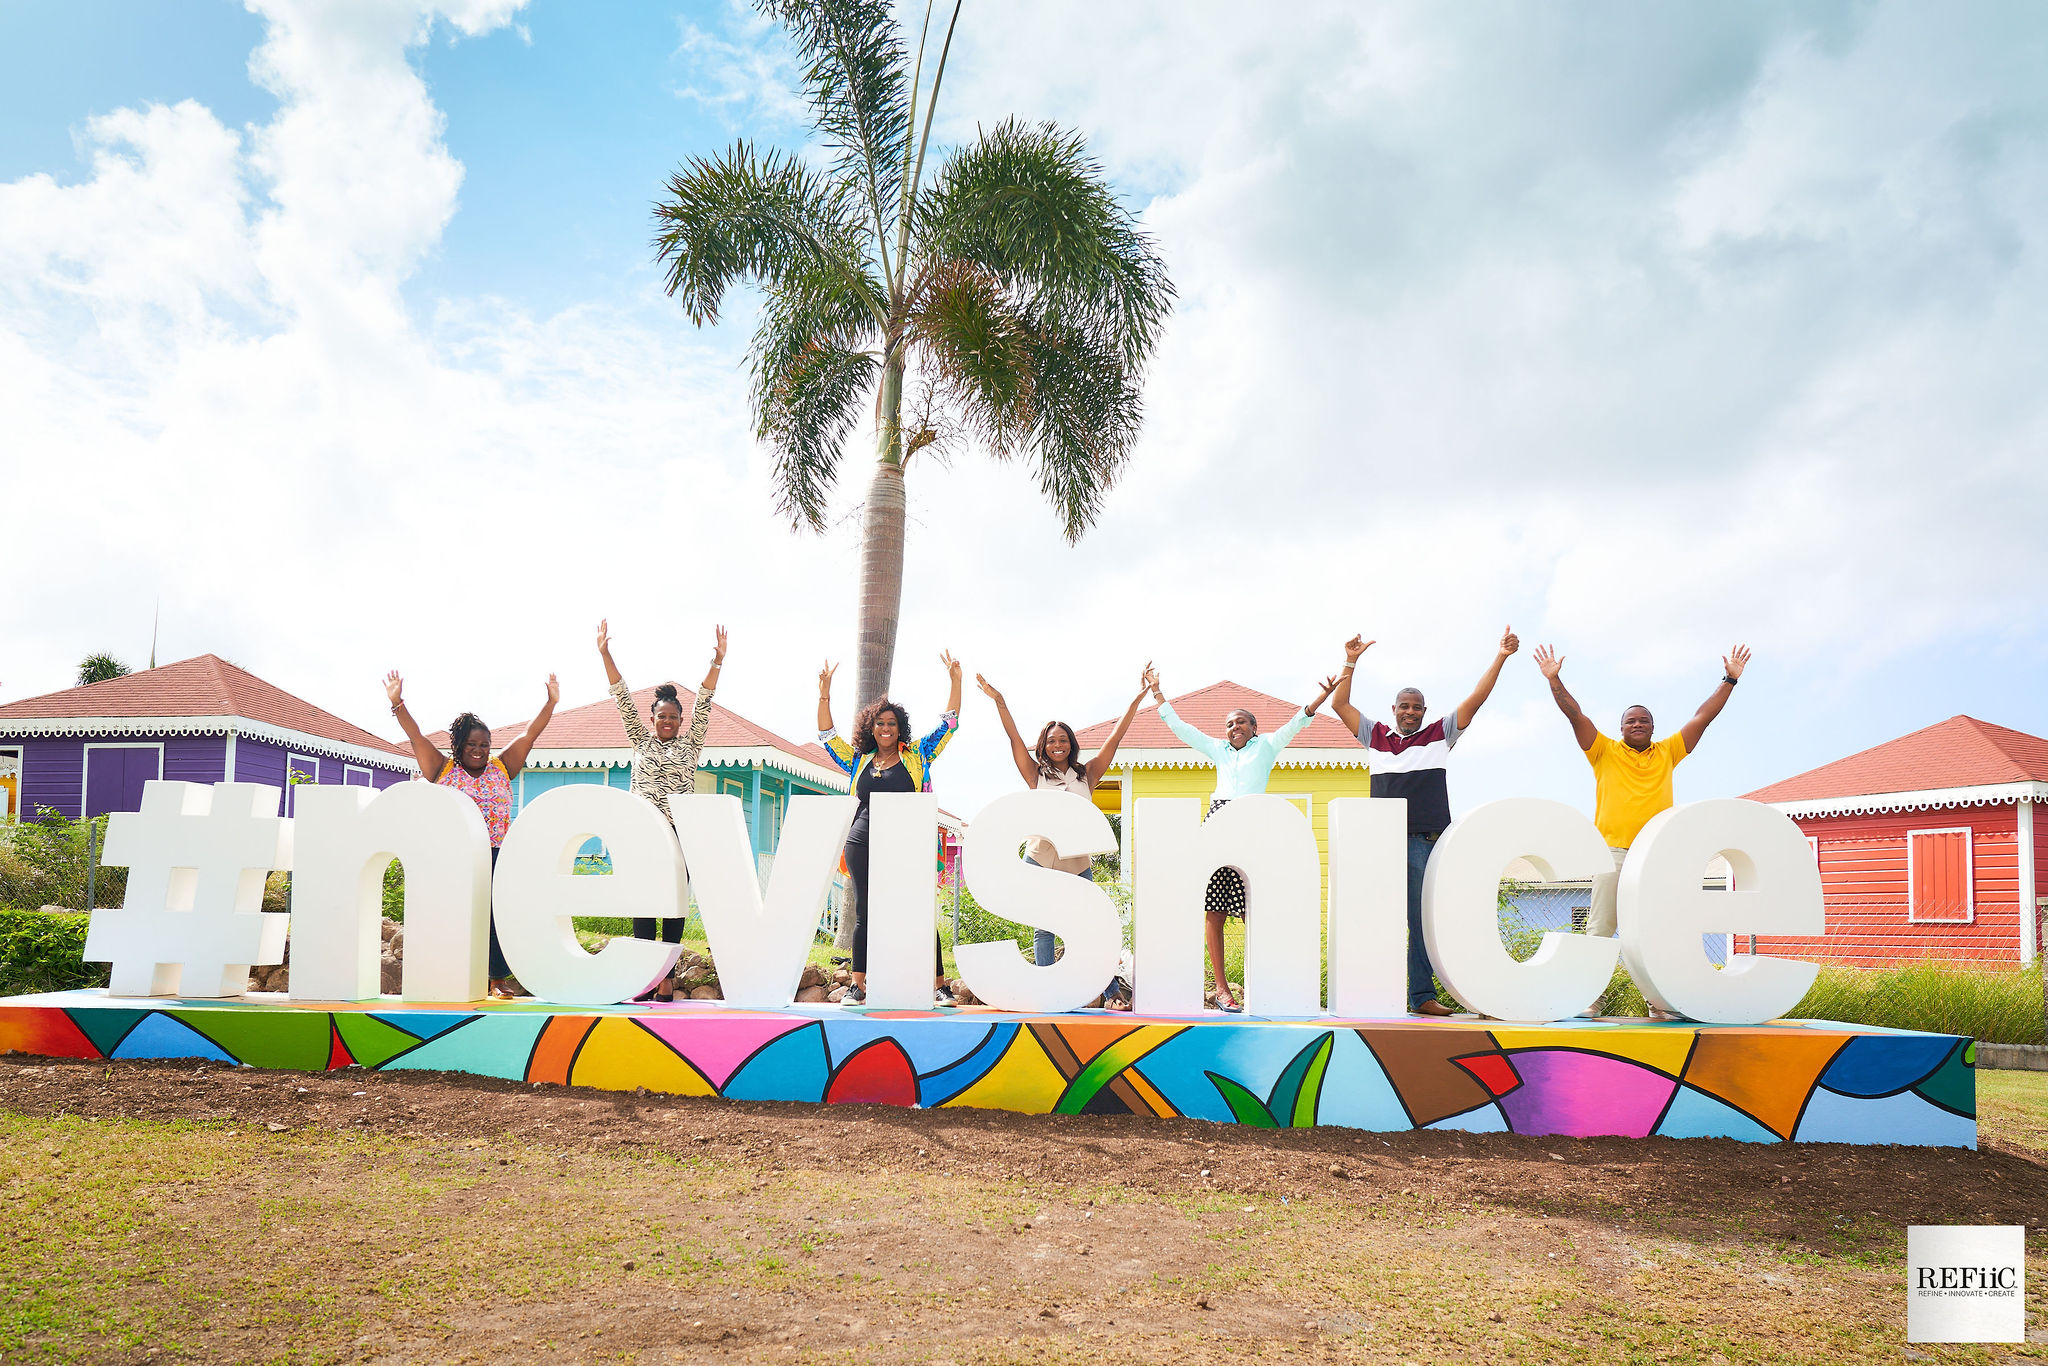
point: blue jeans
(1042, 941)
(1421, 986)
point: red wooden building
(1928, 847)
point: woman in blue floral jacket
(878, 760)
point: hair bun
(666, 693)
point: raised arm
(825, 726)
(629, 714)
(1469, 708)
(1340, 700)
(514, 757)
(953, 677)
(1020, 753)
(1552, 664)
(1099, 765)
(1732, 665)
(1206, 745)
(1294, 724)
(430, 760)
(710, 683)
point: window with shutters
(1938, 877)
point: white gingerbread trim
(714, 756)
(283, 737)
(1926, 799)
(1180, 756)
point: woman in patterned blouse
(664, 758)
(484, 780)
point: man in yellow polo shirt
(1632, 775)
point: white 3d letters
(1663, 910)
(902, 899)
(1461, 911)
(1073, 908)
(538, 893)
(1369, 907)
(1268, 840)
(192, 922)
(760, 941)
(345, 837)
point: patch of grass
(2012, 1107)
(1990, 1004)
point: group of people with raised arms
(1632, 779)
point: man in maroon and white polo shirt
(1408, 761)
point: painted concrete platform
(1790, 1080)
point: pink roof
(1959, 752)
(1205, 708)
(596, 725)
(205, 685)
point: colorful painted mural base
(1800, 1081)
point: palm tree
(1010, 297)
(98, 668)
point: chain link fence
(1951, 967)
(55, 862)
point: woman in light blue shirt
(1244, 762)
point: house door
(114, 775)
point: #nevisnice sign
(198, 857)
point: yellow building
(1323, 763)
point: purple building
(89, 750)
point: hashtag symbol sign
(192, 922)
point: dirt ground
(160, 1212)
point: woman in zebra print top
(664, 757)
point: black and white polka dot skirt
(1226, 885)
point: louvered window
(1938, 874)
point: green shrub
(979, 925)
(43, 951)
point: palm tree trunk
(881, 579)
(881, 547)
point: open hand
(718, 652)
(1549, 661)
(1509, 641)
(604, 637)
(988, 688)
(1734, 662)
(554, 691)
(1148, 680)
(825, 678)
(1357, 646)
(394, 688)
(1152, 681)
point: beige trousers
(1600, 918)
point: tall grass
(1995, 1005)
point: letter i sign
(191, 923)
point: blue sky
(1646, 329)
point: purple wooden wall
(53, 770)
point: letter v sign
(760, 941)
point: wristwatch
(1730, 679)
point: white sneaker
(853, 996)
